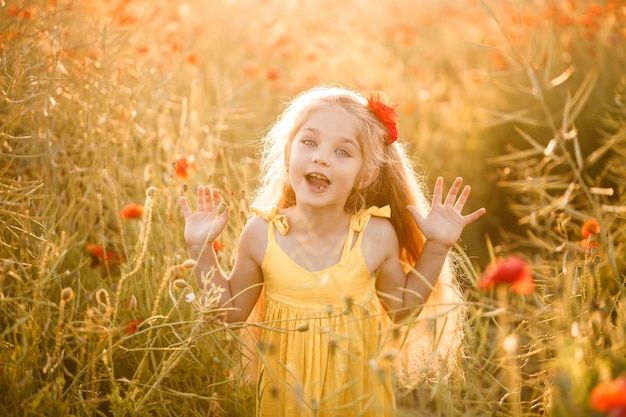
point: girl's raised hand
(208, 221)
(445, 222)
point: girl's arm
(442, 228)
(201, 229)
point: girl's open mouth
(317, 181)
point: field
(109, 111)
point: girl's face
(324, 158)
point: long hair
(432, 340)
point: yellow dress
(322, 337)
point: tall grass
(104, 105)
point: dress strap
(360, 219)
(272, 216)
(357, 225)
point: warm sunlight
(110, 111)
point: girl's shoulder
(381, 229)
(380, 242)
(255, 225)
(253, 238)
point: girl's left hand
(444, 223)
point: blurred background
(110, 111)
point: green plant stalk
(142, 364)
(508, 361)
(144, 236)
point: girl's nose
(320, 158)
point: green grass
(524, 100)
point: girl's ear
(368, 177)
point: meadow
(109, 111)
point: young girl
(343, 240)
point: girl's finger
(217, 198)
(207, 198)
(454, 190)
(417, 216)
(184, 206)
(438, 191)
(199, 198)
(460, 203)
(474, 216)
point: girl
(343, 241)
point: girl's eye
(308, 142)
(342, 152)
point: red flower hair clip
(379, 105)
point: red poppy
(131, 328)
(588, 244)
(272, 73)
(28, 13)
(609, 396)
(500, 62)
(142, 49)
(132, 211)
(408, 107)
(100, 257)
(176, 45)
(183, 164)
(618, 412)
(193, 58)
(512, 270)
(250, 68)
(217, 246)
(387, 115)
(405, 34)
(565, 20)
(590, 227)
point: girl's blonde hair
(397, 184)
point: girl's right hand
(208, 221)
